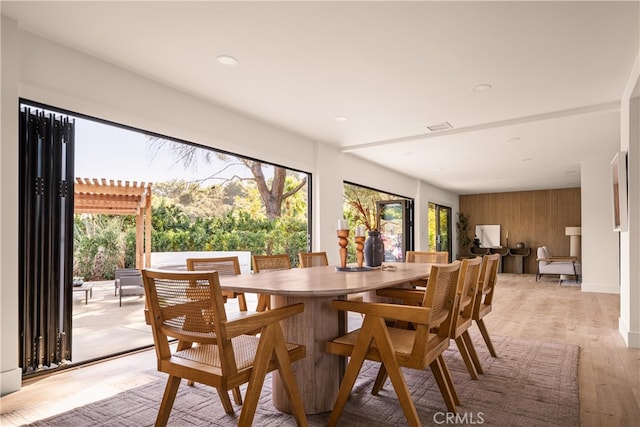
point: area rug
(530, 383)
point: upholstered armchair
(562, 266)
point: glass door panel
(440, 228)
(395, 228)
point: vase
(373, 249)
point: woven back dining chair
(189, 307)
(397, 348)
(439, 257)
(465, 298)
(313, 259)
(265, 263)
(225, 266)
(484, 296)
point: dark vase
(373, 250)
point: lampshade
(573, 231)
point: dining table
(318, 375)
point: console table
(519, 255)
(486, 251)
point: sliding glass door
(396, 228)
(440, 228)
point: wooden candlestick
(342, 241)
(359, 249)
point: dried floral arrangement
(362, 204)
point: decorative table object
(343, 234)
(374, 249)
(359, 245)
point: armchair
(189, 307)
(554, 265)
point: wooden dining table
(319, 374)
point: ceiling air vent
(440, 126)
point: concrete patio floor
(102, 328)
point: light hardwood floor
(609, 373)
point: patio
(102, 328)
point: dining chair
(433, 257)
(225, 266)
(189, 306)
(313, 259)
(484, 296)
(264, 263)
(416, 348)
(465, 296)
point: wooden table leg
(318, 374)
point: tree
(272, 192)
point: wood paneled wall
(537, 218)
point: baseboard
(603, 288)
(11, 381)
(631, 338)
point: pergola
(99, 196)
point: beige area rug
(530, 383)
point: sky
(111, 152)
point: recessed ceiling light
(528, 159)
(340, 119)
(482, 87)
(437, 169)
(513, 139)
(226, 60)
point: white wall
(10, 374)
(629, 322)
(600, 244)
(40, 70)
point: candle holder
(359, 248)
(342, 241)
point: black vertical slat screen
(46, 227)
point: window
(390, 214)
(202, 199)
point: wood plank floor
(609, 373)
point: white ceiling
(557, 71)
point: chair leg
(224, 399)
(288, 379)
(167, 400)
(256, 380)
(237, 397)
(443, 385)
(387, 354)
(263, 302)
(447, 376)
(472, 352)
(466, 357)
(485, 335)
(353, 368)
(380, 379)
(242, 302)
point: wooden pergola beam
(117, 197)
